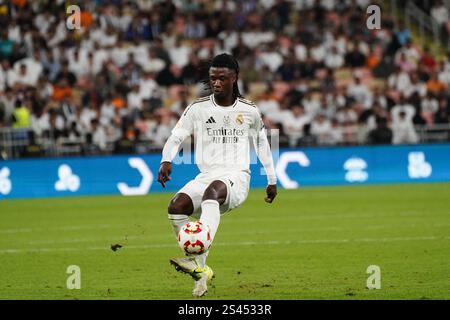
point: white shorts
(238, 184)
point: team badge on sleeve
(226, 121)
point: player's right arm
(183, 129)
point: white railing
(14, 141)
(11, 140)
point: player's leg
(179, 210)
(214, 196)
(186, 202)
(222, 195)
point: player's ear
(233, 77)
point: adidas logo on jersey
(211, 120)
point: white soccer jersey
(222, 136)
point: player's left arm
(264, 154)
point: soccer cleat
(188, 265)
(201, 285)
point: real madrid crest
(240, 119)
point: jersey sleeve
(262, 147)
(185, 125)
(183, 129)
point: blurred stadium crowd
(119, 84)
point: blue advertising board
(137, 174)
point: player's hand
(271, 192)
(165, 169)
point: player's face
(221, 81)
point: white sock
(201, 259)
(178, 220)
(211, 216)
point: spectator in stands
(382, 134)
(158, 46)
(181, 103)
(54, 127)
(179, 54)
(403, 129)
(21, 78)
(369, 116)
(336, 136)
(194, 29)
(311, 104)
(435, 85)
(355, 58)
(402, 35)
(410, 52)
(33, 68)
(268, 104)
(78, 65)
(321, 128)
(416, 86)
(7, 105)
(359, 92)
(427, 61)
(61, 90)
(99, 138)
(6, 45)
(2, 116)
(66, 74)
(399, 81)
(379, 97)
(138, 28)
(402, 106)
(52, 66)
(164, 128)
(444, 73)
(442, 116)
(293, 125)
(405, 64)
(287, 70)
(429, 105)
(307, 139)
(271, 57)
(73, 134)
(189, 73)
(125, 144)
(328, 84)
(334, 60)
(21, 118)
(85, 118)
(146, 126)
(134, 98)
(346, 116)
(440, 12)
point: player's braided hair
(222, 60)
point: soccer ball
(194, 238)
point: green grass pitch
(311, 243)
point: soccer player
(223, 125)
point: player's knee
(180, 204)
(217, 190)
(176, 208)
